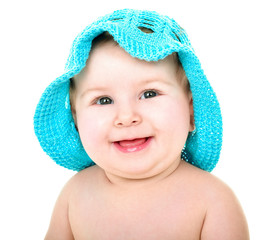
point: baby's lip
(132, 142)
(132, 145)
(128, 140)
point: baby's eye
(104, 101)
(149, 94)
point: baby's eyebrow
(156, 80)
(150, 80)
(93, 89)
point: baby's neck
(144, 182)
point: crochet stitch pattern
(53, 121)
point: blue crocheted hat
(53, 120)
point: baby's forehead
(110, 53)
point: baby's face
(133, 117)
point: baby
(135, 115)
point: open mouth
(133, 145)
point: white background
(36, 36)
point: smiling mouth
(133, 145)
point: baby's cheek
(92, 128)
(87, 129)
(173, 113)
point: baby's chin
(142, 175)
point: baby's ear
(73, 104)
(74, 115)
(192, 122)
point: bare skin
(187, 204)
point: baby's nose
(127, 116)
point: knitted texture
(53, 121)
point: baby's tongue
(132, 143)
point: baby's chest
(149, 220)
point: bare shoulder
(60, 224)
(224, 217)
(80, 180)
(88, 176)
